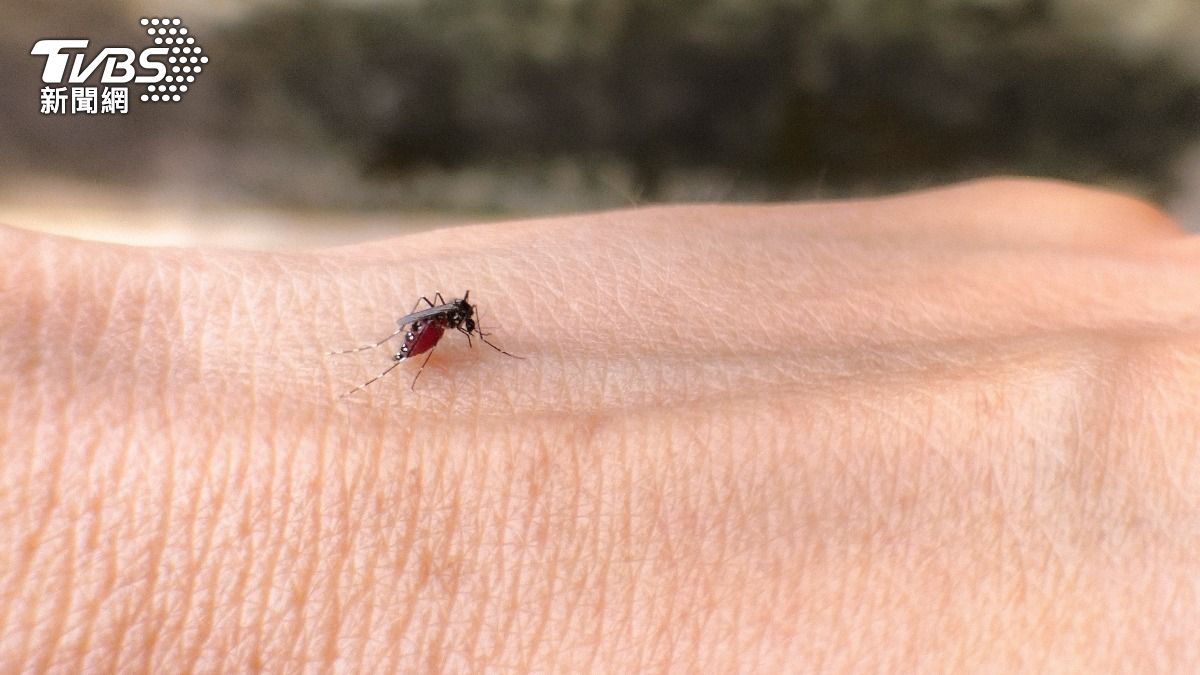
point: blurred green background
(325, 121)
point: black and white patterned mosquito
(422, 329)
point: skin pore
(954, 430)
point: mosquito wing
(426, 313)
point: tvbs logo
(117, 61)
(167, 70)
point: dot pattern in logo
(185, 59)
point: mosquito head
(462, 315)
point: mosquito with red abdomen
(423, 329)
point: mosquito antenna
(366, 347)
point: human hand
(953, 430)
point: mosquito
(422, 329)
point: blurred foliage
(882, 94)
(776, 98)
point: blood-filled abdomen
(424, 337)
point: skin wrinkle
(449, 574)
(582, 531)
(482, 548)
(343, 548)
(304, 553)
(352, 634)
(60, 609)
(543, 482)
(505, 520)
(329, 554)
(125, 287)
(31, 542)
(542, 503)
(519, 569)
(126, 594)
(498, 620)
(310, 573)
(210, 499)
(193, 561)
(428, 558)
(196, 612)
(407, 547)
(359, 487)
(349, 527)
(63, 607)
(263, 523)
(576, 527)
(345, 640)
(242, 539)
(153, 602)
(240, 531)
(12, 477)
(390, 488)
(86, 522)
(197, 478)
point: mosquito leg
(483, 336)
(370, 346)
(479, 323)
(419, 301)
(440, 299)
(419, 370)
(364, 385)
(488, 343)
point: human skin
(953, 431)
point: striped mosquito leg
(368, 383)
(370, 346)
